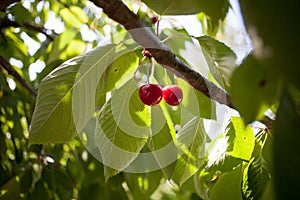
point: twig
(5, 3)
(29, 25)
(119, 12)
(38, 28)
(7, 66)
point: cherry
(151, 94)
(172, 95)
(146, 53)
(154, 19)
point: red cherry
(151, 94)
(146, 53)
(154, 19)
(172, 95)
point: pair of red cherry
(152, 94)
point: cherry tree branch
(5, 3)
(119, 12)
(29, 25)
(7, 66)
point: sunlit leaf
(14, 46)
(160, 151)
(60, 44)
(55, 114)
(256, 177)
(162, 143)
(74, 48)
(218, 158)
(220, 58)
(119, 135)
(228, 186)
(241, 139)
(162, 76)
(216, 9)
(191, 138)
(196, 102)
(121, 70)
(175, 39)
(130, 114)
(73, 16)
(117, 148)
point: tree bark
(5, 3)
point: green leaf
(14, 46)
(253, 89)
(269, 193)
(175, 40)
(142, 185)
(228, 186)
(74, 48)
(21, 14)
(223, 163)
(197, 103)
(58, 108)
(162, 76)
(191, 138)
(3, 84)
(121, 70)
(241, 139)
(58, 182)
(162, 141)
(174, 7)
(11, 189)
(256, 177)
(60, 44)
(26, 181)
(120, 135)
(277, 49)
(94, 188)
(209, 26)
(130, 114)
(220, 58)
(160, 152)
(40, 190)
(216, 9)
(73, 16)
(287, 148)
(216, 151)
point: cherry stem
(166, 74)
(152, 69)
(157, 26)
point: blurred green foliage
(241, 162)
